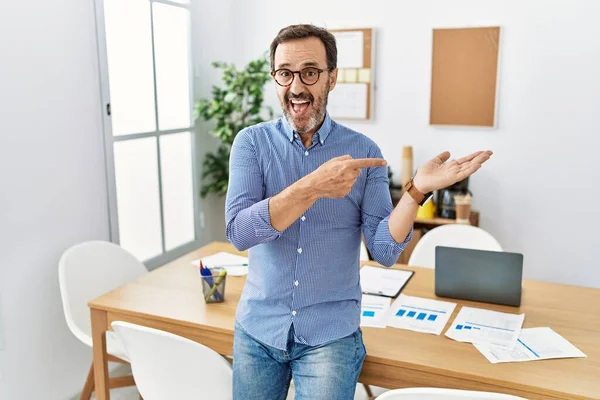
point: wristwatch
(419, 197)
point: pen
(232, 265)
(206, 275)
(219, 279)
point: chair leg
(114, 359)
(369, 391)
(86, 393)
(121, 381)
(113, 383)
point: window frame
(110, 139)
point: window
(146, 80)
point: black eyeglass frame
(318, 70)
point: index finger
(366, 163)
(471, 156)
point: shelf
(435, 221)
(474, 218)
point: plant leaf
(237, 104)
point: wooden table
(170, 298)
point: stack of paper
(420, 315)
(373, 310)
(486, 327)
(234, 264)
(498, 336)
(532, 344)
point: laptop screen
(478, 275)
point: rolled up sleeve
(376, 209)
(246, 211)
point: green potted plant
(234, 106)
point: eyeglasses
(308, 76)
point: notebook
(385, 282)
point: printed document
(475, 325)
(234, 264)
(373, 310)
(420, 315)
(533, 344)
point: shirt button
(303, 218)
(306, 153)
(294, 313)
(300, 250)
(296, 283)
(296, 135)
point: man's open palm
(437, 174)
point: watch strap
(416, 194)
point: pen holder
(213, 286)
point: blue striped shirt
(308, 274)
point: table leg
(99, 322)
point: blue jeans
(329, 371)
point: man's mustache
(301, 96)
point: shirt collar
(322, 133)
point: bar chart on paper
(533, 344)
(474, 325)
(429, 315)
(418, 314)
(373, 310)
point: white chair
(454, 235)
(167, 366)
(364, 253)
(86, 271)
(443, 394)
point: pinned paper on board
(364, 75)
(350, 49)
(351, 75)
(348, 100)
(353, 95)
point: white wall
(213, 39)
(539, 193)
(52, 187)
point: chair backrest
(443, 394)
(364, 253)
(88, 270)
(167, 366)
(454, 235)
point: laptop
(478, 275)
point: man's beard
(317, 110)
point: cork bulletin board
(464, 76)
(352, 97)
